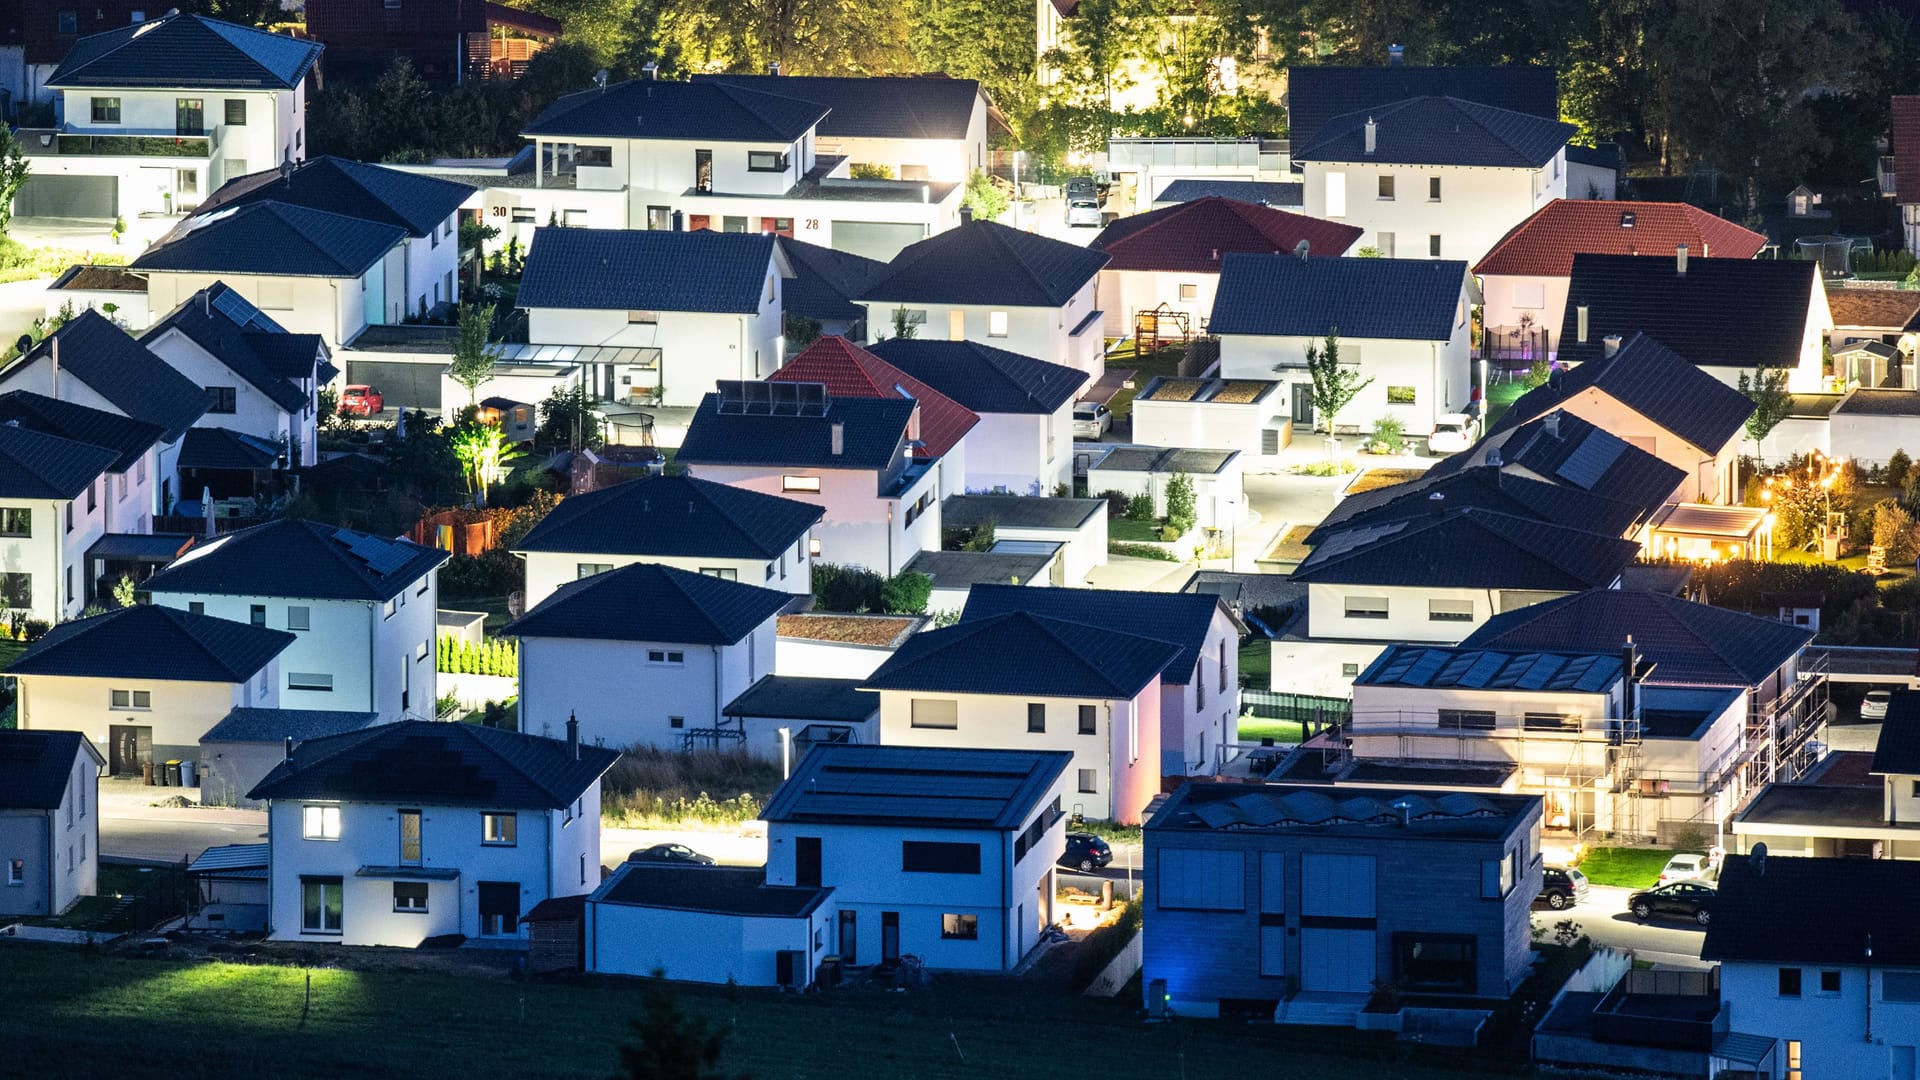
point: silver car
(1091, 420)
(1083, 211)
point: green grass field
(1252, 730)
(1628, 868)
(1256, 663)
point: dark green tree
(670, 1044)
(1335, 385)
(1767, 389)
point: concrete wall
(1214, 426)
(181, 712)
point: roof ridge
(1006, 245)
(680, 586)
(184, 621)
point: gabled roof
(225, 448)
(1690, 644)
(1439, 131)
(873, 431)
(1472, 549)
(1898, 750)
(1544, 245)
(1019, 653)
(189, 52)
(984, 262)
(1193, 236)
(1487, 487)
(438, 764)
(278, 725)
(1742, 313)
(273, 239)
(1778, 909)
(36, 767)
(300, 559)
(1287, 296)
(646, 270)
(34, 465)
(1317, 94)
(1905, 131)
(226, 326)
(1567, 449)
(126, 437)
(120, 369)
(650, 602)
(676, 516)
(937, 787)
(414, 202)
(1655, 382)
(1434, 666)
(824, 281)
(1259, 192)
(929, 106)
(147, 641)
(849, 371)
(652, 109)
(983, 378)
(1179, 619)
(1891, 309)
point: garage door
(68, 197)
(404, 385)
(876, 239)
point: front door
(189, 116)
(889, 936)
(129, 747)
(499, 908)
(703, 170)
(849, 938)
(1302, 405)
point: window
(930, 857)
(1349, 671)
(597, 157)
(420, 652)
(800, 483)
(813, 546)
(1200, 879)
(933, 713)
(1189, 292)
(222, 399)
(1384, 241)
(724, 573)
(1497, 876)
(69, 515)
(320, 822)
(131, 699)
(257, 614)
(1793, 1060)
(1386, 186)
(766, 161)
(237, 112)
(573, 218)
(1336, 194)
(106, 110)
(1829, 982)
(1433, 245)
(1435, 961)
(299, 618)
(1433, 189)
(320, 905)
(669, 657)
(69, 22)
(959, 927)
(17, 520)
(498, 829)
(1466, 720)
(585, 570)
(1789, 982)
(1534, 721)
(93, 497)
(1400, 395)
(387, 610)
(1449, 611)
(1089, 720)
(1037, 717)
(197, 607)
(16, 871)
(996, 324)
(309, 680)
(410, 897)
(1366, 607)
(1089, 782)
(1900, 986)
(523, 215)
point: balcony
(47, 142)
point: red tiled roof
(851, 371)
(1194, 236)
(1906, 148)
(1894, 309)
(1544, 245)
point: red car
(361, 400)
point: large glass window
(320, 905)
(1435, 961)
(16, 521)
(320, 822)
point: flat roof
(964, 569)
(718, 890)
(1019, 511)
(802, 697)
(879, 631)
(1209, 806)
(1816, 805)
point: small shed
(1080, 524)
(1010, 562)
(230, 889)
(517, 419)
(555, 941)
(813, 711)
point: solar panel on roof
(1485, 667)
(1591, 460)
(235, 307)
(1540, 670)
(1424, 668)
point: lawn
(1256, 663)
(1129, 531)
(1282, 732)
(1628, 868)
(1500, 396)
(74, 1013)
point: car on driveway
(1091, 420)
(671, 853)
(1686, 868)
(361, 400)
(1086, 852)
(1452, 433)
(1874, 705)
(1562, 887)
(1688, 899)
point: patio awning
(1711, 522)
(409, 873)
(140, 547)
(638, 356)
(1744, 1049)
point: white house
(835, 645)
(360, 609)
(1078, 525)
(678, 521)
(416, 830)
(49, 821)
(690, 642)
(1830, 812)
(145, 683)
(917, 127)
(113, 291)
(1247, 416)
(1402, 322)
(708, 924)
(142, 132)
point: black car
(1086, 851)
(1562, 887)
(671, 853)
(1692, 899)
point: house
(1847, 813)
(1525, 275)
(955, 574)
(239, 751)
(693, 641)
(849, 371)
(1433, 176)
(1563, 449)
(678, 521)
(1199, 687)
(1487, 487)
(1320, 93)
(1905, 131)
(849, 456)
(710, 924)
(1286, 196)
(985, 282)
(417, 830)
(1282, 903)
(1813, 957)
(1023, 680)
(1079, 525)
(785, 715)
(820, 285)
(1877, 316)
(113, 291)
(1165, 264)
(833, 645)
(49, 820)
(1593, 172)
(360, 609)
(425, 208)
(1242, 415)
(916, 127)
(1024, 406)
(156, 113)
(681, 301)
(1727, 316)
(1415, 347)
(145, 683)
(444, 43)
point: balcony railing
(46, 141)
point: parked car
(1692, 899)
(1091, 420)
(671, 853)
(1086, 851)
(361, 400)
(1562, 887)
(1082, 187)
(1686, 868)
(1452, 433)
(1083, 211)
(1874, 705)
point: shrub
(1180, 504)
(1893, 530)
(1168, 534)
(1140, 507)
(1142, 551)
(1101, 946)
(906, 593)
(491, 573)
(1389, 434)
(846, 588)
(1117, 503)
(1898, 465)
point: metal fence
(1309, 709)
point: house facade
(58, 497)
(49, 821)
(1834, 812)
(945, 141)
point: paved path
(1604, 918)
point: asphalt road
(174, 836)
(1604, 918)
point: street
(1604, 917)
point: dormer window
(766, 161)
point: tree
(123, 591)
(1767, 389)
(13, 173)
(473, 353)
(668, 1043)
(986, 201)
(906, 593)
(1181, 515)
(480, 449)
(988, 40)
(1334, 385)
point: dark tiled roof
(1439, 131)
(650, 602)
(1287, 296)
(709, 111)
(1493, 669)
(34, 465)
(187, 51)
(1690, 644)
(1871, 402)
(120, 369)
(1488, 488)
(824, 281)
(274, 239)
(1905, 129)
(951, 570)
(1317, 94)
(874, 430)
(918, 785)
(1018, 653)
(1784, 910)
(147, 641)
(983, 378)
(224, 324)
(674, 516)
(1741, 313)
(1180, 619)
(224, 448)
(1898, 750)
(1655, 382)
(1398, 815)
(720, 890)
(875, 106)
(1192, 236)
(646, 270)
(801, 697)
(36, 766)
(1592, 460)
(1019, 511)
(849, 371)
(125, 436)
(986, 263)
(419, 204)
(302, 559)
(1258, 192)
(438, 764)
(1544, 245)
(1471, 549)
(278, 725)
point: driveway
(1604, 917)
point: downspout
(59, 564)
(52, 864)
(1006, 902)
(373, 678)
(715, 649)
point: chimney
(650, 71)
(1757, 858)
(1216, 254)
(839, 445)
(966, 214)
(1630, 687)
(1706, 250)
(1680, 260)
(1396, 55)
(1580, 324)
(1373, 132)
(1612, 344)
(1553, 425)
(573, 737)
(1493, 457)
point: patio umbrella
(206, 508)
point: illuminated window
(320, 822)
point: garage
(69, 197)
(880, 240)
(404, 384)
